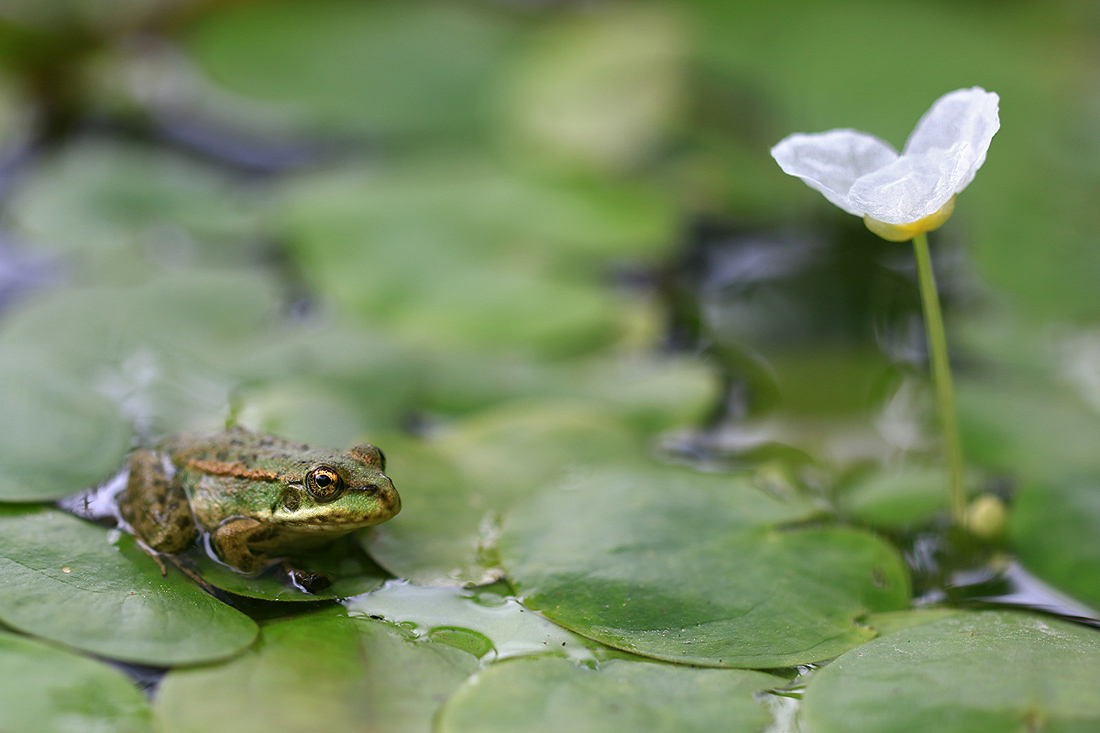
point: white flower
(899, 196)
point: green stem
(941, 377)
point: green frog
(258, 497)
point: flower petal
(910, 188)
(832, 161)
(964, 122)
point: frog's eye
(324, 483)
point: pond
(660, 417)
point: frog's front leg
(155, 505)
(231, 540)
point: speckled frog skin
(259, 497)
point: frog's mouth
(366, 508)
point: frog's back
(239, 448)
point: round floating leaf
(508, 308)
(649, 392)
(692, 568)
(96, 198)
(553, 694)
(376, 68)
(1056, 533)
(63, 579)
(888, 622)
(898, 500)
(43, 688)
(204, 318)
(462, 255)
(83, 368)
(601, 90)
(344, 562)
(994, 671)
(320, 671)
(484, 623)
(58, 436)
(468, 207)
(455, 488)
(1035, 430)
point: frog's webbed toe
(304, 580)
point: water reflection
(807, 326)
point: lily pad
(203, 318)
(553, 694)
(60, 436)
(650, 392)
(321, 669)
(695, 568)
(344, 562)
(1056, 533)
(43, 688)
(86, 368)
(455, 488)
(898, 500)
(473, 257)
(68, 580)
(888, 622)
(95, 200)
(600, 90)
(994, 671)
(1038, 431)
(374, 68)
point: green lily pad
(888, 622)
(464, 255)
(318, 670)
(1055, 531)
(551, 694)
(484, 623)
(65, 437)
(199, 317)
(600, 90)
(513, 309)
(455, 488)
(468, 206)
(1028, 428)
(96, 200)
(68, 580)
(694, 568)
(994, 671)
(351, 571)
(373, 68)
(650, 392)
(43, 688)
(305, 411)
(899, 499)
(84, 368)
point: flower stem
(941, 377)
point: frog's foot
(306, 581)
(157, 557)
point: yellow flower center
(904, 232)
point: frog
(255, 498)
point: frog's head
(340, 492)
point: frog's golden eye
(324, 483)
